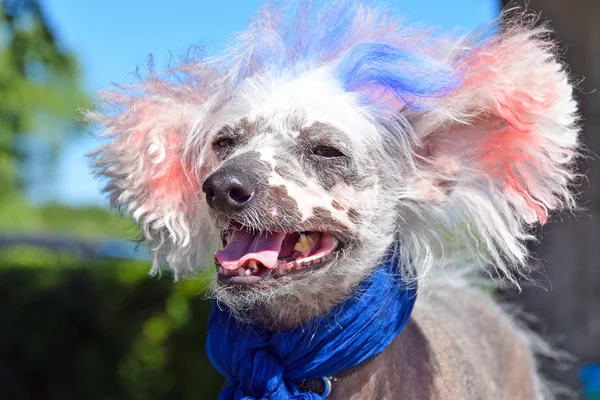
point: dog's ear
(150, 174)
(497, 154)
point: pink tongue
(244, 246)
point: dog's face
(297, 195)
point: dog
(326, 139)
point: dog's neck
(359, 328)
(303, 306)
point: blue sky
(113, 37)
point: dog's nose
(229, 188)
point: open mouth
(250, 256)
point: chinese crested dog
(329, 139)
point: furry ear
(497, 154)
(150, 175)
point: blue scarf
(260, 364)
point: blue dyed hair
(367, 50)
(405, 74)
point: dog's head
(299, 192)
(317, 146)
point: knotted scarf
(259, 364)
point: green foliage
(39, 86)
(20, 217)
(103, 330)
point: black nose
(229, 188)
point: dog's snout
(229, 189)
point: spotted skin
(295, 183)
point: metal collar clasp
(327, 383)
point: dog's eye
(326, 151)
(224, 143)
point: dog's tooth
(302, 244)
(241, 271)
(221, 270)
(298, 246)
(248, 272)
(309, 242)
(252, 265)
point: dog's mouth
(251, 256)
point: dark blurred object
(570, 249)
(39, 90)
(101, 329)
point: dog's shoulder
(472, 344)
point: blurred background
(79, 317)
